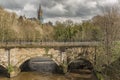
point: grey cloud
(73, 10)
(58, 8)
(29, 13)
(12, 4)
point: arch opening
(40, 64)
(24, 67)
(3, 71)
(80, 64)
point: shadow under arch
(25, 66)
(3, 71)
(40, 64)
(80, 63)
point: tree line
(13, 28)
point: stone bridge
(14, 54)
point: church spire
(40, 14)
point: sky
(58, 10)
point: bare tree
(110, 27)
(109, 24)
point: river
(48, 76)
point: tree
(109, 24)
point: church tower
(40, 14)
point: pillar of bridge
(13, 71)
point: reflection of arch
(39, 64)
(80, 64)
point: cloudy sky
(60, 10)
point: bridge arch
(25, 66)
(40, 64)
(80, 63)
(20, 55)
(3, 70)
(28, 58)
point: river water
(48, 76)
(35, 76)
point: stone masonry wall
(19, 55)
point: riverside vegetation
(104, 28)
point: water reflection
(35, 76)
(48, 76)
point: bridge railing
(47, 44)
